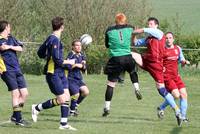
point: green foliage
(30, 62)
(97, 57)
(193, 42)
(31, 21)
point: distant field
(128, 116)
(188, 10)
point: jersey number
(121, 37)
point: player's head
(57, 23)
(76, 46)
(5, 27)
(120, 19)
(153, 22)
(169, 39)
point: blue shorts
(74, 86)
(57, 83)
(14, 80)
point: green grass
(128, 115)
(188, 11)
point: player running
(152, 60)
(11, 72)
(118, 40)
(78, 89)
(173, 54)
(55, 75)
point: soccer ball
(86, 39)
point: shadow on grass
(176, 130)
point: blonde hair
(120, 18)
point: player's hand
(187, 62)
(77, 65)
(69, 61)
(5, 47)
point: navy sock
(48, 104)
(64, 113)
(73, 104)
(80, 99)
(17, 113)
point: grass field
(188, 11)
(127, 116)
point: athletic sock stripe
(55, 102)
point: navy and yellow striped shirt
(54, 55)
(10, 61)
(75, 73)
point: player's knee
(176, 96)
(15, 94)
(61, 100)
(162, 91)
(25, 93)
(183, 93)
(111, 84)
(175, 93)
(160, 85)
(85, 91)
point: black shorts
(14, 80)
(119, 64)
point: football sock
(109, 93)
(164, 105)
(64, 113)
(73, 103)
(17, 113)
(48, 104)
(170, 99)
(134, 77)
(183, 106)
(108, 97)
(107, 105)
(80, 99)
(136, 86)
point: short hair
(57, 22)
(120, 18)
(74, 41)
(3, 25)
(169, 33)
(153, 19)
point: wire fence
(37, 43)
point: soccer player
(11, 72)
(55, 76)
(152, 60)
(78, 89)
(118, 40)
(173, 54)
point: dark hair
(74, 41)
(153, 19)
(3, 25)
(170, 33)
(57, 22)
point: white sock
(107, 105)
(40, 107)
(136, 86)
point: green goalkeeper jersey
(118, 40)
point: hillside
(188, 11)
